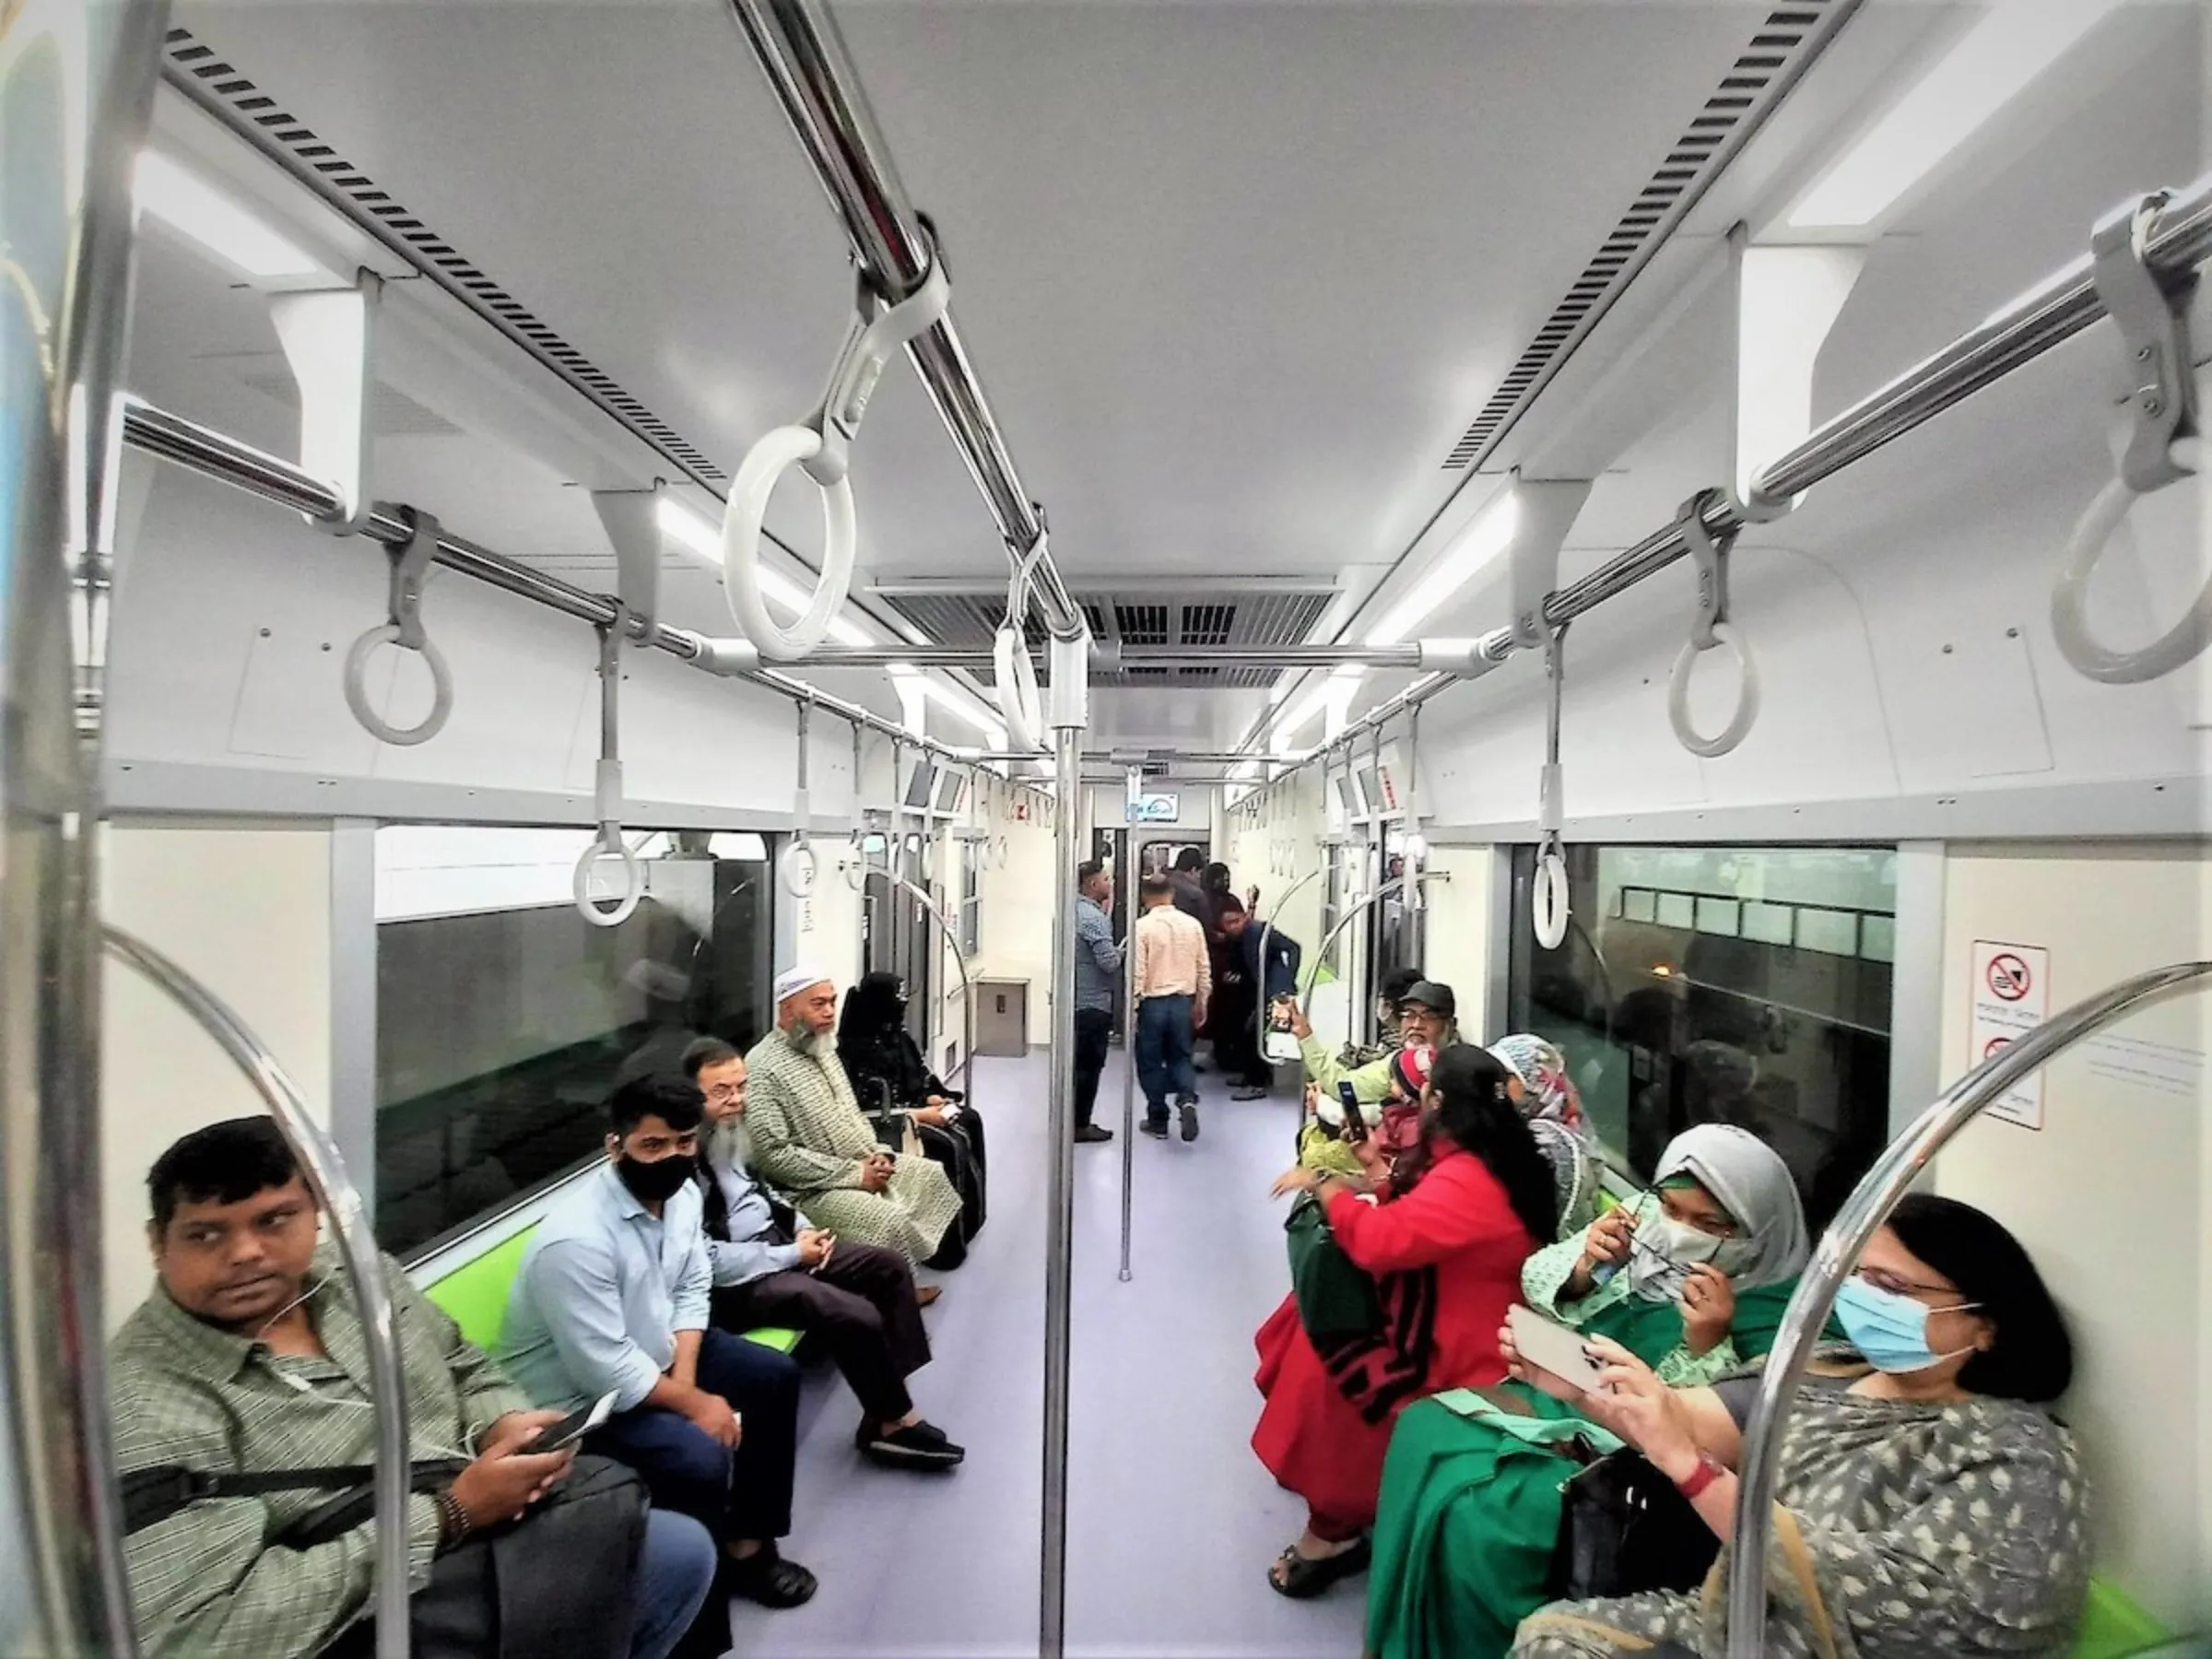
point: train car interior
(1393, 812)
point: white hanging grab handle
(1711, 630)
(606, 794)
(1020, 702)
(1548, 900)
(410, 565)
(2069, 599)
(1747, 696)
(798, 869)
(823, 446)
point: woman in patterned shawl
(1925, 1503)
(1547, 1098)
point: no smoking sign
(2011, 994)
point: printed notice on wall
(2011, 994)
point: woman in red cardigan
(1443, 1238)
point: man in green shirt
(249, 1357)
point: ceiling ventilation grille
(1279, 614)
(1779, 53)
(196, 70)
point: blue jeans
(1163, 1054)
(735, 1495)
(675, 1569)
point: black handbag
(562, 1580)
(1625, 1528)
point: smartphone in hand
(557, 1437)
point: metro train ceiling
(1238, 276)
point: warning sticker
(2011, 995)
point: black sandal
(1303, 1577)
(767, 1578)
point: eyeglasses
(727, 1091)
(1881, 1279)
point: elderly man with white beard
(812, 1141)
(772, 1268)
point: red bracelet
(1708, 1471)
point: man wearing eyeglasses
(771, 1268)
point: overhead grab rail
(606, 801)
(2173, 240)
(1013, 672)
(318, 1157)
(2164, 444)
(804, 59)
(410, 559)
(823, 445)
(1712, 630)
(1869, 1205)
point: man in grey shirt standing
(1098, 989)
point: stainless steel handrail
(1259, 1017)
(1357, 910)
(341, 1201)
(1059, 1228)
(960, 961)
(805, 58)
(2054, 312)
(1869, 1205)
(76, 83)
(227, 460)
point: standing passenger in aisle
(772, 1268)
(1257, 985)
(612, 1298)
(811, 1139)
(1173, 983)
(1097, 984)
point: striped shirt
(212, 1579)
(1171, 957)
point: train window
(503, 1017)
(1735, 984)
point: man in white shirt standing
(1174, 978)
(771, 1268)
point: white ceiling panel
(1236, 276)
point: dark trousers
(860, 1305)
(1094, 1036)
(740, 1494)
(1236, 1037)
(1163, 1053)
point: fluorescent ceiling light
(211, 218)
(704, 539)
(1490, 535)
(2013, 44)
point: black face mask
(658, 1182)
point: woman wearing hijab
(1547, 1098)
(1442, 1237)
(888, 1074)
(1691, 1278)
(1925, 1501)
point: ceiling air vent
(196, 70)
(1781, 51)
(1272, 610)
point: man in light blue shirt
(1097, 991)
(613, 1297)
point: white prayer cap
(792, 981)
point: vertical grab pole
(1132, 789)
(1070, 714)
(341, 1201)
(77, 88)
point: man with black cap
(1427, 1013)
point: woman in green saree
(1691, 1276)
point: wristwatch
(1709, 1470)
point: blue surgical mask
(1890, 1330)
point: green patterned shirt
(213, 1579)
